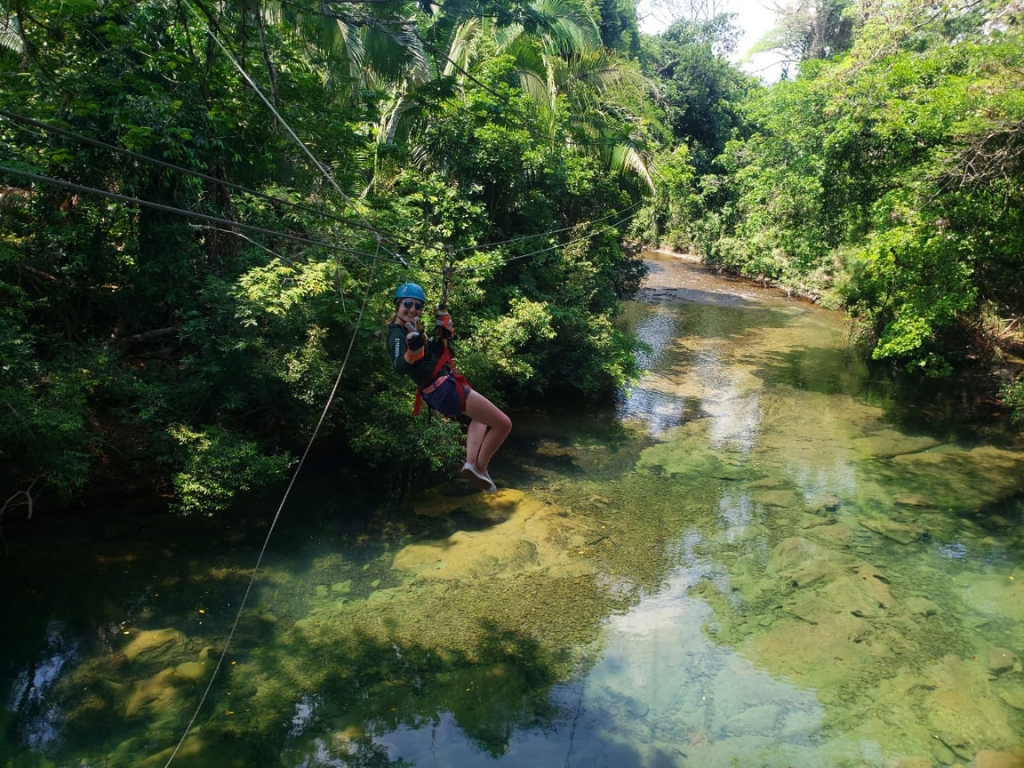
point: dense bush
(214, 343)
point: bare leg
(487, 431)
(474, 439)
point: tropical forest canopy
(204, 209)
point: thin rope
(284, 124)
(273, 524)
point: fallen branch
(29, 501)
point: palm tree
(368, 43)
(595, 90)
(563, 68)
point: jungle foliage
(204, 208)
(886, 178)
(387, 141)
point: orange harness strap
(460, 380)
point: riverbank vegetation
(887, 176)
(204, 209)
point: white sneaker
(481, 480)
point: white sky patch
(753, 17)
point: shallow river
(759, 558)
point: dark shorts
(444, 398)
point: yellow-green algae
(487, 616)
(874, 642)
(821, 533)
(803, 525)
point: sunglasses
(412, 304)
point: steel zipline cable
(582, 238)
(383, 235)
(549, 232)
(128, 199)
(83, 189)
(20, 121)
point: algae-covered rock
(888, 443)
(832, 534)
(530, 535)
(823, 504)
(962, 711)
(156, 695)
(902, 533)
(990, 758)
(994, 595)
(196, 671)
(1011, 693)
(781, 498)
(874, 584)
(1001, 661)
(153, 645)
(198, 751)
(957, 479)
(792, 553)
(913, 500)
(436, 502)
(690, 458)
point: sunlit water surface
(757, 559)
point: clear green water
(758, 558)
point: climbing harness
(445, 368)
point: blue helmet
(410, 291)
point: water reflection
(31, 693)
(665, 693)
(736, 515)
(757, 567)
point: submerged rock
(913, 500)
(888, 443)
(153, 645)
(532, 535)
(963, 713)
(781, 498)
(1012, 696)
(156, 695)
(901, 533)
(988, 758)
(1002, 660)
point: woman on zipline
(428, 363)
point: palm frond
(463, 46)
(565, 26)
(625, 157)
(10, 35)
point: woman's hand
(443, 323)
(414, 340)
(413, 344)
